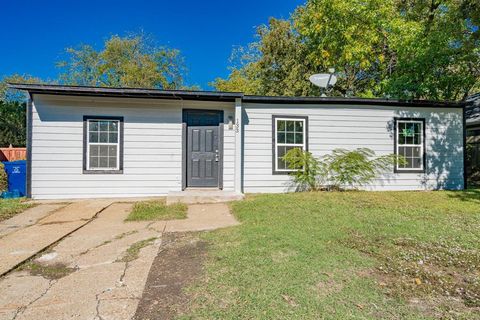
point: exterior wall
(350, 127)
(152, 146)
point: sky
(34, 34)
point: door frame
(185, 145)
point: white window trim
(421, 145)
(288, 144)
(103, 143)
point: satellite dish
(323, 80)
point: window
(288, 133)
(103, 145)
(410, 144)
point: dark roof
(353, 100)
(125, 92)
(218, 96)
(472, 109)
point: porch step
(193, 196)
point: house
(472, 114)
(112, 142)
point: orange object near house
(13, 154)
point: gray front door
(202, 156)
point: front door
(203, 156)
(204, 152)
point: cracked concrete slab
(101, 287)
(22, 244)
(27, 218)
(202, 217)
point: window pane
(104, 125)
(401, 139)
(418, 139)
(113, 137)
(409, 163)
(417, 163)
(112, 151)
(93, 126)
(408, 152)
(416, 128)
(416, 152)
(94, 151)
(112, 162)
(103, 162)
(280, 153)
(281, 137)
(290, 126)
(93, 162)
(113, 126)
(103, 137)
(290, 137)
(299, 126)
(103, 151)
(299, 138)
(281, 125)
(93, 137)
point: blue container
(17, 178)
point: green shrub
(3, 178)
(307, 177)
(339, 170)
(355, 168)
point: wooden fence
(13, 154)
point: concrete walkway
(200, 217)
(107, 262)
(28, 218)
(22, 244)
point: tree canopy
(131, 61)
(413, 49)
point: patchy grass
(157, 210)
(11, 207)
(345, 255)
(54, 271)
(134, 250)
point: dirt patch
(178, 264)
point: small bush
(3, 178)
(355, 168)
(339, 170)
(309, 168)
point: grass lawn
(11, 207)
(345, 255)
(157, 210)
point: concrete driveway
(96, 271)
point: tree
(273, 65)
(423, 49)
(9, 95)
(13, 124)
(131, 61)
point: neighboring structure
(111, 142)
(472, 114)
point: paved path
(108, 262)
(27, 218)
(200, 217)
(22, 244)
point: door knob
(216, 155)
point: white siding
(350, 127)
(152, 148)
